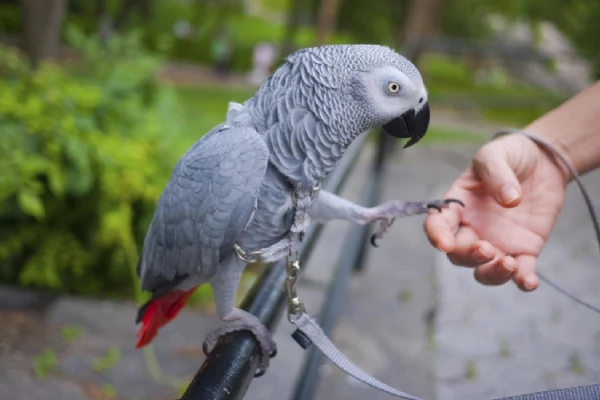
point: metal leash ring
(295, 305)
(242, 255)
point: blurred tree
(423, 20)
(213, 15)
(277, 5)
(41, 21)
(368, 22)
(104, 20)
(466, 19)
(129, 8)
(292, 25)
(326, 20)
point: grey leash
(312, 332)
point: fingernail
(480, 256)
(509, 194)
(529, 284)
(508, 270)
(443, 247)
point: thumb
(492, 166)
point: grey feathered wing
(208, 201)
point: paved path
(483, 343)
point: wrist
(559, 145)
(530, 142)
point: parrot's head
(361, 87)
(392, 91)
(398, 99)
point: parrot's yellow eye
(393, 87)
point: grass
(44, 363)
(441, 134)
(205, 107)
(107, 361)
(450, 81)
(445, 74)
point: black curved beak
(409, 125)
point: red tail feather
(159, 312)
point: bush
(84, 153)
(246, 31)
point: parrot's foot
(237, 320)
(387, 213)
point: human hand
(513, 193)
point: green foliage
(378, 22)
(108, 361)
(89, 149)
(108, 390)
(204, 107)
(71, 332)
(276, 5)
(465, 19)
(44, 363)
(580, 23)
(201, 297)
(206, 18)
(444, 73)
(10, 17)
(471, 370)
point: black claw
(434, 207)
(205, 349)
(273, 353)
(260, 373)
(448, 201)
(374, 240)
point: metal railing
(229, 369)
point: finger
(440, 227)
(525, 277)
(491, 165)
(469, 251)
(497, 272)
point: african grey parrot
(247, 188)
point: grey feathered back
(208, 201)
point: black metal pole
(386, 147)
(230, 367)
(352, 255)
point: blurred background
(99, 98)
